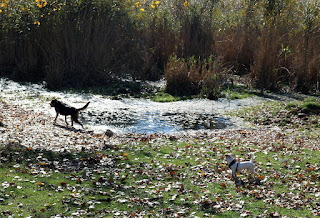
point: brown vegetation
(90, 42)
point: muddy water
(130, 115)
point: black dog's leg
(79, 123)
(65, 118)
(56, 118)
(75, 119)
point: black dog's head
(53, 102)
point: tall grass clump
(194, 76)
(284, 55)
(182, 76)
(72, 43)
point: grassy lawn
(163, 175)
(154, 175)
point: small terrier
(239, 166)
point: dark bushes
(194, 76)
(85, 43)
(92, 42)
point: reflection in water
(129, 115)
(156, 122)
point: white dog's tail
(252, 157)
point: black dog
(66, 110)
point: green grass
(164, 97)
(159, 177)
(233, 92)
(297, 114)
(232, 95)
(308, 106)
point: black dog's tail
(84, 107)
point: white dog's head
(229, 158)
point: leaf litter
(185, 174)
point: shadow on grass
(72, 129)
(247, 183)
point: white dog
(239, 166)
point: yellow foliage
(41, 3)
(4, 5)
(155, 4)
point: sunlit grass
(186, 175)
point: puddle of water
(130, 115)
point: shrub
(182, 77)
(213, 77)
(194, 77)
